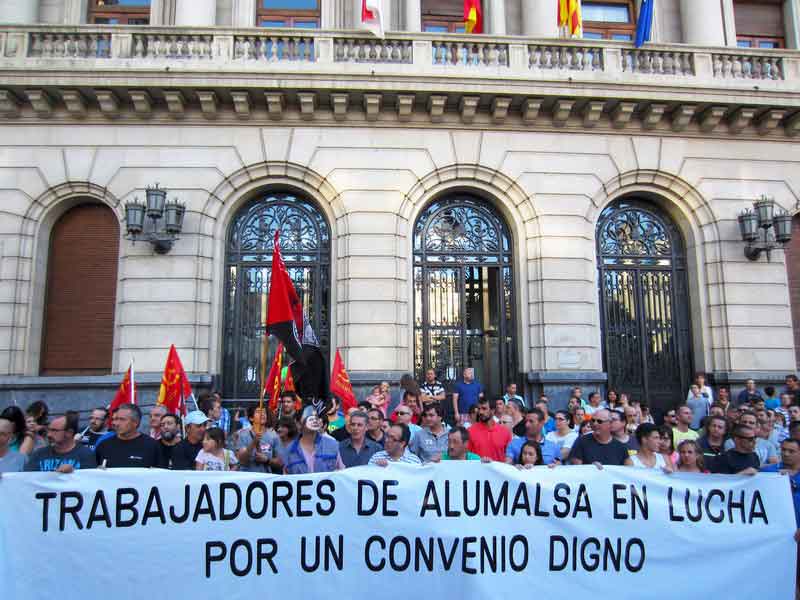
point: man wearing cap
(314, 451)
(185, 452)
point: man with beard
(96, 430)
(487, 439)
(170, 437)
(63, 454)
(186, 451)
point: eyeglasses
(599, 421)
(403, 412)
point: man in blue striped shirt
(395, 448)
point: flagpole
(133, 383)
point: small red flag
(126, 393)
(175, 386)
(272, 384)
(473, 16)
(284, 309)
(340, 384)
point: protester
(286, 428)
(11, 461)
(699, 406)
(724, 398)
(344, 432)
(741, 459)
(375, 419)
(790, 466)
(517, 413)
(648, 456)
(457, 442)
(313, 451)
(549, 422)
(96, 429)
(594, 404)
(214, 456)
(169, 440)
(377, 399)
(690, 458)
(705, 392)
(335, 416)
(534, 432)
(487, 439)
(766, 450)
(63, 454)
(682, 429)
(563, 437)
(667, 449)
(631, 419)
(129, 447)
(712, 444)
(287, 405)
(748, 394)
(466, 393)
(357, 449)
(430, 442)
(599, 447)
(258, 454)
(793, 387)
(22, 440)
(530, 455)
(185, 452)
(395, 448)
(620, 433)
(404, 414)
(671, 418)
(220, 416)
(612, 398)
(579, 418)
(511, 394)
(432, 389)
(156, 413)
(771, 400)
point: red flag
(272, 384)
(473, 16)
(288, 381)
(175, 386)
(284, 309)
(340, 384)
(126, 393)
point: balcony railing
(147, 48)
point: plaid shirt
(224, 421)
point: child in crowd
(214, 456)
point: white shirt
(637, 462)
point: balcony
(75, 72)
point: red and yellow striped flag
(569, 17)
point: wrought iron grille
(306, 249)
(644, 303)
(464, 292)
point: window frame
(607, 29)
(440, 21)
(439, 15)
(289, 15)
(755, 39)
(123, 13)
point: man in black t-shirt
(128, 448)
(96, 429)
(169, 440)
(741, 459)
(598, 447)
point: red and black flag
(284, 309)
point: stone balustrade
(422, 54)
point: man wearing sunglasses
(741, 459)
(598, 447)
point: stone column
(497, 16)
(244, 13)
(539, 19)
(702, 22)
(413, 16)
(19, 11)
(196, 13)
(791, 16)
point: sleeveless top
(637, 462)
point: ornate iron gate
(305, 245)
(463, 292)
(644, 303)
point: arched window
(793, 272)
(81, 299)
(306, 249)
(644, 303)
(464, 292)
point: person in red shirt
(488, 439)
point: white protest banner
(453, 530)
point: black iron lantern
(755, 225)
(748, 226)
(782, 222)
(164, 223)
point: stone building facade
(554, 212)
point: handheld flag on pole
(644, 25)
(284, 309)
(126, 393)
(473, 16)
(175, 387)
(372, 17)
(569, 18)
(340, 384)
(272, 384)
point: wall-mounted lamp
(162, 234)
(755, 226)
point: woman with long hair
(690, 458)
(648, 456)
(530, 455)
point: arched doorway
(78, 336)
(306, 249)
(464, 292)
(644, 303)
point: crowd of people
(708, 432)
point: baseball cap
(196, 417)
